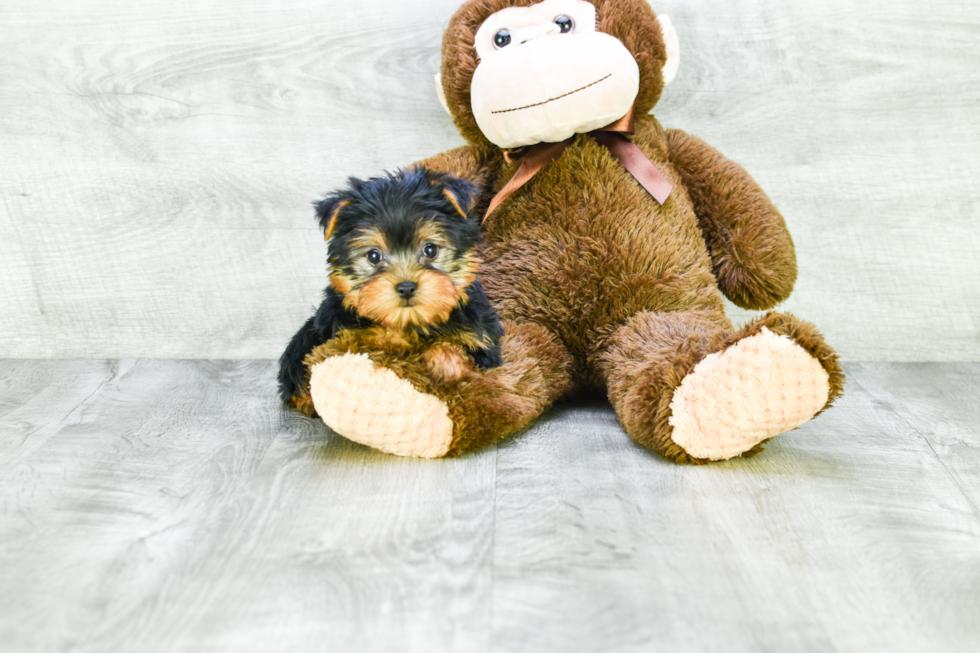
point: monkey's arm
(751, 250)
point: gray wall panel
(159, 159)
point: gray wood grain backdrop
(157, 159)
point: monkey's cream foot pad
(756, 389)
(374, 407)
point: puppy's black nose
(406, 289)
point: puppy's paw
(304, 405)
(372, 406)
(446, 363)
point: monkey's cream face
(546, 74)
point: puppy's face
(403, 279)
(401, 251)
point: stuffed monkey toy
(608, 244)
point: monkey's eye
(374, 257)
(565, 23)
(430, 250)
(501, 39)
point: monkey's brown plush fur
(599, 286)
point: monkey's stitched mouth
(531, 106)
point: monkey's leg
(693, 393)
(386, 400)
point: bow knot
(535, 157)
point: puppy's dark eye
(501, 39)
(565, 23)
(374, 257)
(430, 250)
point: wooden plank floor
(158, 505)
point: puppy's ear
(327, 213)
(462, 194)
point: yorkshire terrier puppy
(404, 250)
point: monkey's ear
(462, 194)
(673, 48)
(327, 213)
(441, 92)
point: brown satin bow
(629, 155)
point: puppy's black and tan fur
(404, 251)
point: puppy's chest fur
(460, 326)
(471, 334)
